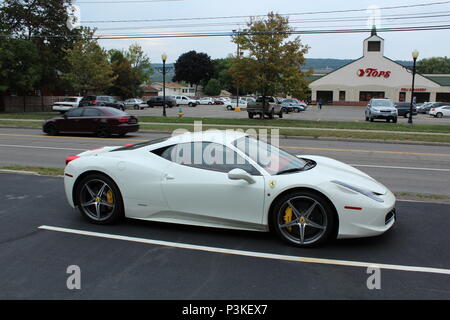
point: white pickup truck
(185, 101)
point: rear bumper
(124, 128)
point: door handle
(169, 177)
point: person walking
(320, 103)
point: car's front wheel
(99, 199)
(303, 218)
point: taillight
(94, 102)
(71, 158)
(123, 119)
(129, 145)
(433, 109)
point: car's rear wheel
(136, 107)
(103, 132)
(250, 115)
(439, 115)
(229, 108)
(51, 130)
(99, 199)
(303, 218)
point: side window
(74, 113)
(91, 113)
(208, 156)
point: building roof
(149, 89)
(443, 80)
(172, 85)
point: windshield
(272, 159)
(382, 103)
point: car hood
(336, 170)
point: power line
(302, 21)
(256, 16)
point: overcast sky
(398, 44)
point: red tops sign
(372, 72)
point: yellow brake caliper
(288, 217)
(110, 197)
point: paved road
(328, 113)
(401, 167)
(34, 261)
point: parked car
(101, 101)
(249, 99)
(381, 109)
(312, 199)
(440, 112)
(185, 101)
(404, 109)
(102, 121)
(232, 104)
(287, 107)
(67, 104)
(427, 107)
(269, 108)
(136, 104)
(159, 102)
(217, 101)
(295, 101)
(206, 100)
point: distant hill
(319, 65)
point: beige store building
(375, 76)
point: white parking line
(35, 147)
(249, 253)
(401, 168)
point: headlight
(372, 195)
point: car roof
(225, 137)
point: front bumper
(384, 115)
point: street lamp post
(164, 58)
(415, 55)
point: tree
(193, 68)
(20, 67)
(140, 63)
(44, 22)
(127, 79)
(89, 67)
(213, 88)
(272, 62)
(434, 65)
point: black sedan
(404, 108)
(102, 121)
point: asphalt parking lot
(328, 113)
(35, 260)
(41, 236)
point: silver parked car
(136, 104)
(381, 109)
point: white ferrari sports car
(229, 180)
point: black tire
(394, 120)
(280, 115)
(367, 118)
(321, 215)
(112, 203)
(406, 115)
(297, 110)
(388, 120)
(103, 132)
(51, 130)
(250, 115)
(190, 104)
(284, 110)
(439, 115)
(136, 107)
(370, 119)
(230, 108)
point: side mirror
(239, 174)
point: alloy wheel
(302, 220)
(97, 200)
